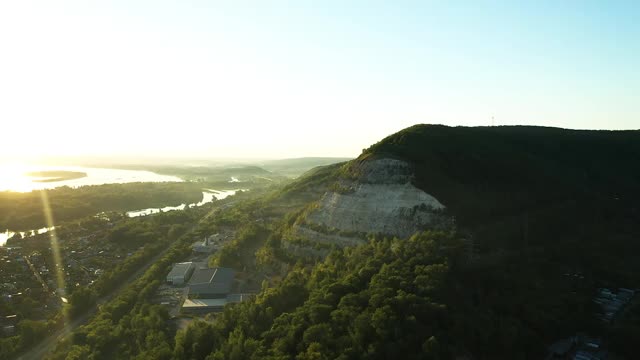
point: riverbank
(24, 211)
(207, 196)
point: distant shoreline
(56, 175)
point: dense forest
(418, 297)
(376, 301)
(573, 194)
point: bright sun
(12, 176)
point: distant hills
(297, 166)
(216, 170)
(269, 171)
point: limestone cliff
(378, 198)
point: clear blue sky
(301, 78)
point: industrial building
(209, 290)
(210, 283)
(180, 273)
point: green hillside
(572, 193)
(544, 217)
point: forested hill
(524, 186)
(508, 159)
(533, 163)
(543, 218)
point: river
(9, 234)
(207, 196)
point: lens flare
(55, 247)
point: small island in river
(55, 175)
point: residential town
(29, 288)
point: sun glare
(12, 177)
(55, 247)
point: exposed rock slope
(378, 199)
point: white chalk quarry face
(382, 200)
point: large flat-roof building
(180, 273)
(211, 283)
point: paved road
(45, 346)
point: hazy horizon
(289, 79)
(183, 160)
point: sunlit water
(13, 177)
(9, 234)
(207, 197)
